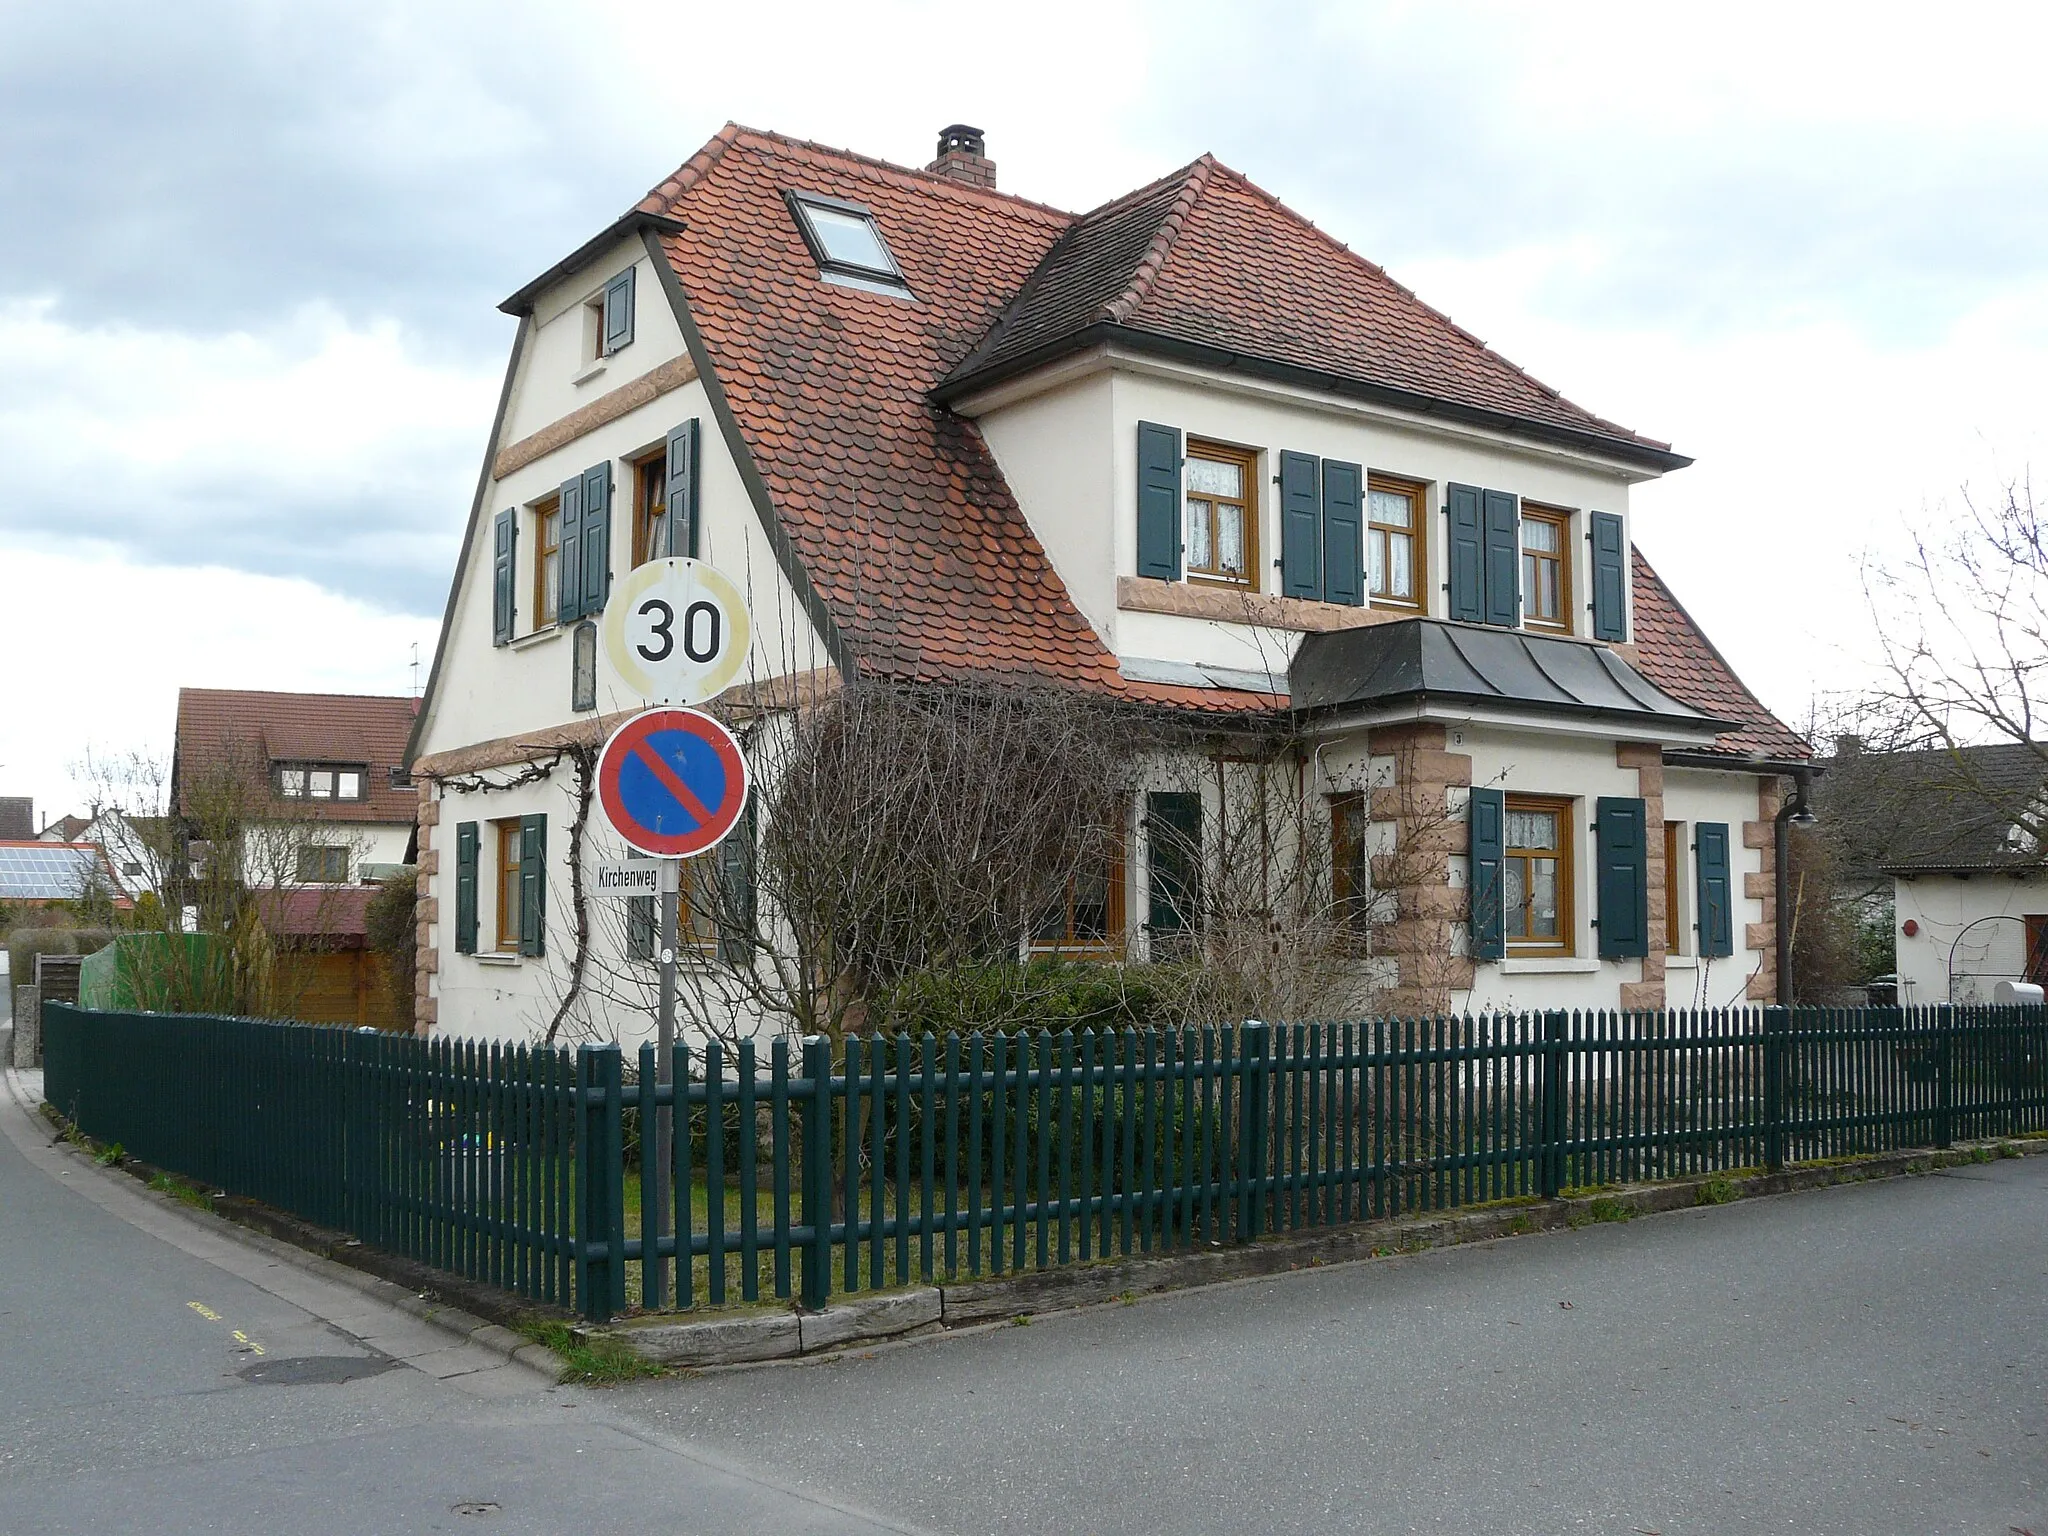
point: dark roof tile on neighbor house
(248, 732)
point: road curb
(310, 1248)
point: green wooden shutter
(680, 494)
(1503, 561)
(1158, 501)
(1714, 889)
(1173, 844)
(1301, 527)
(504, 543)
(618, 312)
(1486, 834)
(597, 530)
(1623, 888)
(1343, 533)
(533, 885)
(569, 543)
(465, 887)
(1467, 554)
(736, 906)
(1610, 576)
(643, 918)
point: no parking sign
(672, 782)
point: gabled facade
(324, 771)
(1184, 451)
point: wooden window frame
(1117, 917)
(1247, 462)
(1417, 492)
(328, 856)
(1559, 518)
(508, 833)
(546, 614)
(650, 491)
(1566, 944)
(1674, 887)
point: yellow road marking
(204, 1311)
(243, 1338)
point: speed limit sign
(676, 631)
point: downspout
(1794, 809)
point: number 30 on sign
(676, 631)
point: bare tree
(1962, 632)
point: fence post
(1945, 1077)
(817, 1173)
(600, 1184)
(1556, 1031)
(1777, 1022)
(1253, 1093)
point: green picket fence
(902, 1160)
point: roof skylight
(847, 242)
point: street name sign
(672, 782)
(677, 631)
(630, 877)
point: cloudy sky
(250, 253)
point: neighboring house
(66, 829)
(1942, 830)
(1186, 451)
(326, 809)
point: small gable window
(847, 242)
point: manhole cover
(475, 1507)
(314, 1370)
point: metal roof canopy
(1472, 664)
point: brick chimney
(963, 157)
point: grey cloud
(210, 165)
(1424, 145)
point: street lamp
(1795, 812)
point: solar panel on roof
(49, 872)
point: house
(1185, 451)
(1951, 835)
(313, 790)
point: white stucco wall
(1073, 466)
(1942, 907)
(486, 691)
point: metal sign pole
(665, 1120)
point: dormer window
(320, 781)
(847, 243)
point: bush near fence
(900, 1159)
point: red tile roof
(1207, 258)
(894, 507)
(250, 731)
(1674, 653)
(337, 912)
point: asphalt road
(151, 1371)
(1871, 1359)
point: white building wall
(1073, 466)
(1944, 908)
